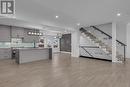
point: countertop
(32, 48)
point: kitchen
(16, 41)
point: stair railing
(95, 52)
(110, 37)
(86, 51)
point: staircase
(103, 44)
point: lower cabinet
(5, 53)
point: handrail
(108, 35)
(101, 31)
(90, 46)
(87, 51)
(83, 30)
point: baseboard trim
(95, 58)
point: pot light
(118, 14)
(29, 32)
(57, 16)
(40, 34)
(32, 33)
(78, 24)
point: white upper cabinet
(17, 32)
(5, 34)
(30, 38)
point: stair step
(105, 47)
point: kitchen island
(25, 55)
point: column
(114, 59)
(128, 41)
(75, 39)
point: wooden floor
(64, 71)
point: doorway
(65, 43)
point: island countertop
(32, 48)
(25, 55)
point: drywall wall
(107, 28)
(121, 30)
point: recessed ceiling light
(118, 14)
(57, 16)
(29, 32)
(78, 24)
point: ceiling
(86, 12)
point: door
(65, 43)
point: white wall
(121, 30)
(107, 28)
(75, 37)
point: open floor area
(64, 71)
(64, 43)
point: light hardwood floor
(64, 71)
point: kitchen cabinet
(23, 54)
(5, 53)
(30, 38)
(5, 33)
(17, 32)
